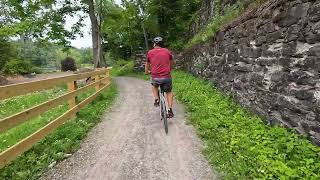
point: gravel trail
(130, 143)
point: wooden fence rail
(99, 84)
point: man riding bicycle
(159, 64)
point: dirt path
(130, 143)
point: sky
(85, 41)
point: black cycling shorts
(165, 83)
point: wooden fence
(100, 83)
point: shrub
(122, 67)
(68, 64)
(15, 66)
(219, 20)
(36, 70)
(7, 51)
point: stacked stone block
(269, 59)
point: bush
(15, 66)
(7, 51)
(218, 21)
(68, 64)
(36, 70)
(122, 67)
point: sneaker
(156, 102)
(170, 114)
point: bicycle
(163, 110)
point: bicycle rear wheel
(164, 112)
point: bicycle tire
(163, 110)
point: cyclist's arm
(147, 68)
(172, 63)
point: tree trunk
(145, 36)
(96, 39)
(142, 11)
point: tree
(7, 52)
(96, 20)
(142, 19)
(86, 56)
(45, 20)
(39, 19)
(122, 29)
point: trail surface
(130, 143)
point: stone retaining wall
(270, 61)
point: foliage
(68, 64)
(81, 56)
(7, 52)
(43, 56)
(122, 30)
(172, 19)
(39, 53)
(122, 67)
(20, 103)
(40, 19)
(15, 66)
(239, 144)
(65, 140)
(123, 25)
(216, 23)
(219, 20)
(86, 56)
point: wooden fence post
(108, 75)
(71, 87)
(25, 144)
(96, 79)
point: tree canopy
(123, 25)
(33, 30)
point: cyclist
(159, 64)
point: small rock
(67, 156)
(314, 51)
(52, 164)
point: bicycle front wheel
(164, 113)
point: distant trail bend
(130, 143)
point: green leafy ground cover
(238, 144)
(218, 21)
(20, 103)
(66, 139)
(125, 68)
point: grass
(64, 140)
(20, 103)
(125, 68)
(238, 144)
